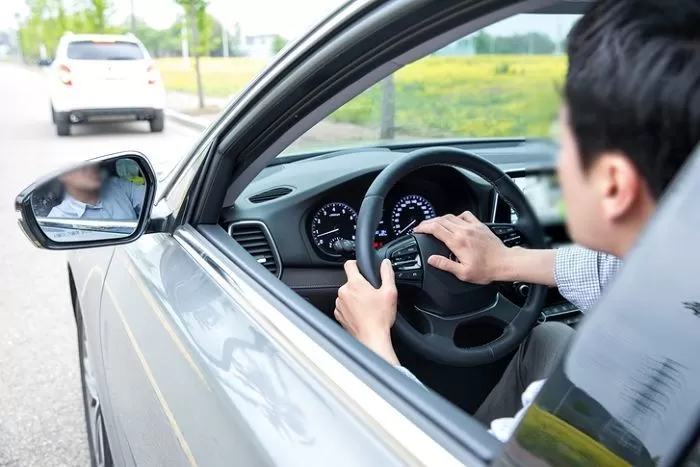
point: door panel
(194, 381)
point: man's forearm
(533, 266)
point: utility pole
(133, 18)
(559, 39)
(18, 39)
(224, 39)
(185, 44)
(387, 127)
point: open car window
(500, 82)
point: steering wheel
(445, 302)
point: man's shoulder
(63, 209)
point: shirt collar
(71, 205)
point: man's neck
(629, 233)
(86, 197)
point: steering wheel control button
(508, 235)
(409, 275)
(407, 251)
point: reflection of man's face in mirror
(83, 184)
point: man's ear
(619, 185)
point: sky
(290, 18)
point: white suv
(103, 76)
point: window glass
(92, 50)
(501, 81)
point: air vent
(254, 237)
(269, 195)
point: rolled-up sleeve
(581, 274)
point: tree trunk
(388, 109)
(196, 49)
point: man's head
(631, 115)
(84, 183)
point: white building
(258, 45)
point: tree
(278, 44)
(195, 11)
(93, 16)
(48, 20)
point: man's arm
(579, 273)
(135, 193)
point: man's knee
(545, 346)
(551, 335)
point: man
(87, 196)
(630, 118)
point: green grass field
(479, 96)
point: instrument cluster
(332, 226)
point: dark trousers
(535, 360)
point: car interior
(298, 219)
(50, 194)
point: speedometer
(410, 211)
(333, 222)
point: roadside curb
(186, 120)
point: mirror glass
(95, 201)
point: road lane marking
(151, 379)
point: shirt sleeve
(135, 193)
(501, 428)
(582, 274)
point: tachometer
(333, 222)
(410, 211)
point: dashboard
(298, 218)
(307, 209)
(424, 194)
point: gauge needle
(327, 233)
(408, 226)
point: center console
(557, 308)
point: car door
(627, 391)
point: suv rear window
(95, 50)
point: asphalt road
(41, 418)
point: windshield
(94, 50)
(502, 81)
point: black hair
(633, 84)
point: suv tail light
(152, 72)
(64, 74)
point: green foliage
(473, 96)
(278, 44)
(48, 20)
(532, 43)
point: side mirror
(100, 202)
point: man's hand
(368, 313)
(482, 256)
